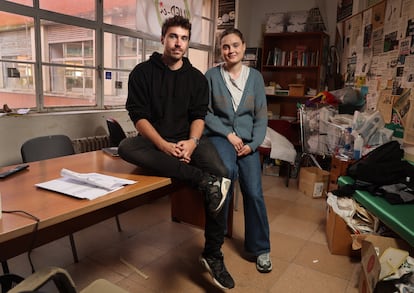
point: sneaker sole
(264, 271)
(225, 186)
(205, 265)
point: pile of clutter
(348, 136)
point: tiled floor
(167, 252)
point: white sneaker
(264, 263)
(216, 193)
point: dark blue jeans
(205, 159)
(248, 170)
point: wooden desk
(61, 215)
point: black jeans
(205, 159)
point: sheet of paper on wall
(85, 185)
(385, 103)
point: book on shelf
(300, 56)
(269, 59)
(277, 57)
(300, 51)
(283, 61)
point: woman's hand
(239, 146)
(245, 150)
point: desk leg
(73, 245)
(118, 223)
(5, 267)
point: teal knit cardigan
(249, 121)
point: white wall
(252, 15)
(14, 130)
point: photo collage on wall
(378, 56)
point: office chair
(63, 283)
(116, 133)
(48, 147)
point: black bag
(382, 166)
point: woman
(236, 124)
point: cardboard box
(372, 249)
(338, 234)
(313, 181)
(269, 90)
(296, 90)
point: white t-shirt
(235, 86)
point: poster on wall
(226, 18)
(151, 14)
(344, 9)
(226, 14)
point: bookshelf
(294, 58)
(252, 57)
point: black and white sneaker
(215, 266)
(264, 263)
(215, 189)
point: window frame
(100, 28)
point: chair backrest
(46, 147)
(116, 133)
(43, 279)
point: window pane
(68, 86)
(83, 8)
(152, 46)
(206, 27)
(121, 54)
(23, 2)
(66, 43)
(115, 87)
(121, 13)
(16, 36)
(199, 59)
(17, 88)
(207, 11)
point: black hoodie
(169, 100)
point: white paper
(85, 185)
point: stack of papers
(85, 185)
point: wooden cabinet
(294, 58)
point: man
(167, 102)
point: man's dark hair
(232, 30)
(176, 20)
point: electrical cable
(35, 229)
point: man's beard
(174, 57)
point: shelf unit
(252, 57)
(294, 58)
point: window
(59, 55)
(84, 8)
(69, 65)
(122, 54)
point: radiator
(94, 143)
